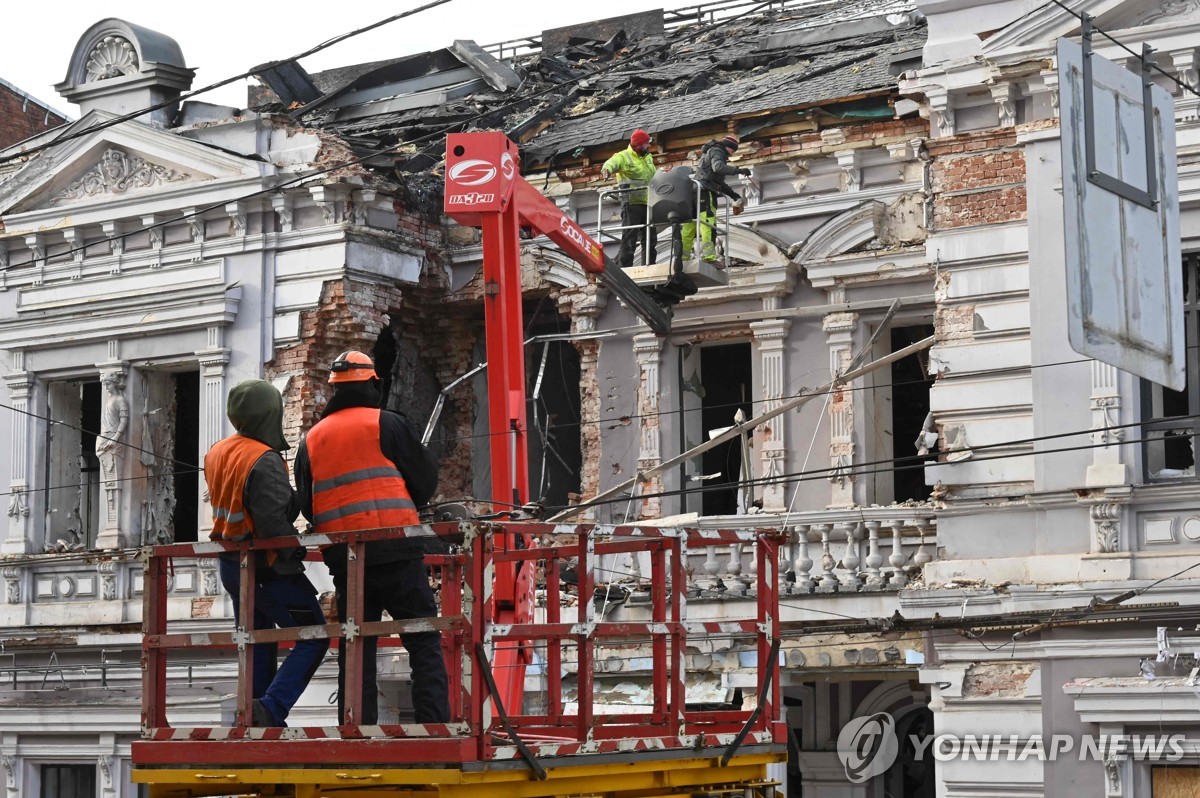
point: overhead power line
(395, 148)
(1135, 53)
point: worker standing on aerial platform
(711, 172)
(252, 498)
(634, 168)
(364, 468)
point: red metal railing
(481, 728)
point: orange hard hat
(352, 366)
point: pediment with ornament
(119, 164)
(1043, 26)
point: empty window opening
(724, 376)
(186, 470)
(910, 407)
(72, 478)
(555, 454)
(1169, 450)
(68, 781)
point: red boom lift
(491, 747)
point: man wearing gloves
(364, 468)
(634, 168)
(711, 172)
(252, 498)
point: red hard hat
(640, 138)
(352, 366)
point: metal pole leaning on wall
(730, 433)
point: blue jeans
(284, 602)
(401, 588)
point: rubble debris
(591, 84)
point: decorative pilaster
(76, 243)
(1004, 95)
(238, 213)
(361, 203)
(196, 226)
(107, 782)
(12, 777)
(839, 332)
(213, 361)
(12, 585)
(4, 260)
(799, 170)
(329, 200)
(771, 337)
(1050, 80)
(108, 580)
(851, 168)
(282, 205)
(37, 250)
(20, 390)
(1106, 527)
(1106, 468)
(114, 232)
(941, 110)
(111, 446)
(647, 347)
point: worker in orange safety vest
(361, 467)
(251, 497)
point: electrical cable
(853, 471)
(224, 82)
(1138, 55)
(394, 149)
(625, 419)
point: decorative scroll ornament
(112, 57)
(115, 174)
(1171, 8)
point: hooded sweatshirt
(255, 409)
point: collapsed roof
(591, 85)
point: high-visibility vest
(226, 468)
(633, 172)
(354, 486)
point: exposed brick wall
(18, 123)
(978, 178)
(351, 315)
(792, 145)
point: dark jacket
(714, 168)
(400, 443)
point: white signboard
(1124, 266)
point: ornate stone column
(648, 349)
(1106, 468)
(771, 338)
(839, 332)
(20, 389)
(213, 360)
(12, 774)
(112, 449)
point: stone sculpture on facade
(116, 173)
(112, 57)
(114, 422)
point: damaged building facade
(904, 184)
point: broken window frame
(61, 436)
(1155, 396)
(878, 432)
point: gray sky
(222, 38)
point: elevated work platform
(703, 273)
(572, 747)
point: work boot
(260, 716)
